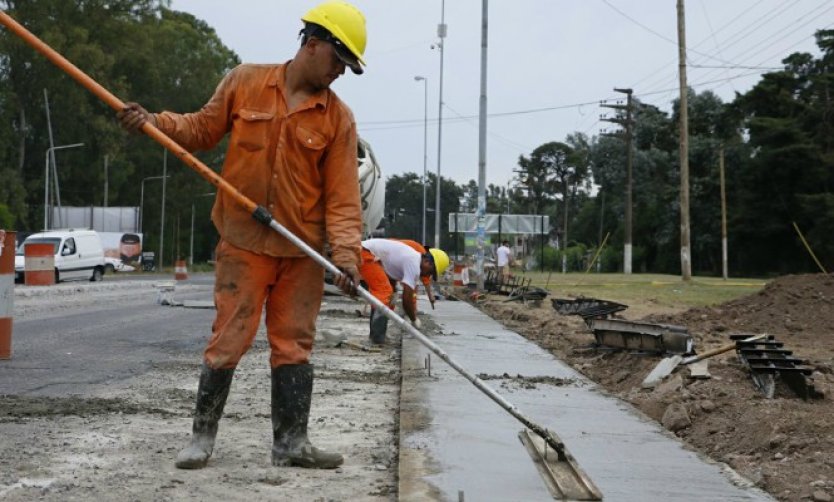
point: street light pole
(441, 33)
(50, 154)
(191, 244)
(425, 81)
(482, 129)
(142, 199)
(105, 181)
(162, 222)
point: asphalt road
(102, 337)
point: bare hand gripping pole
(262, 215)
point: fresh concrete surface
(455, 440)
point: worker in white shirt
(503, 256)
(386, 260)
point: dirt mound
(783, 444)
(797, 309)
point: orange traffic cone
(180, 271)
(6, 292)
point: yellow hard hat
(346, 23)
(441, 261)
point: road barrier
(39, 264)
(180, 271)
(461, 275)
(6, 292)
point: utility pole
(628, 124)
(723, 213)
(686, 258)
(482, 130)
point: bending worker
(425, 279)
(387, 260)
(292, 150)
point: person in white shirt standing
(503, 256)
(386, 260)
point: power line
(499, 114)
(758, 49)
(761, 49)
(664, 37)
(408, 123)
(746, 31)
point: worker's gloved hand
(416, 323)
(348, 279)
(133, 116)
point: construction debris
(670, 364)
(587, 307)
(528, 294)
(358, 346)
(666, 366)
(641, 336)
(165, 292)
(767, 359)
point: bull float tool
(563, 476)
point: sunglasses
(342, 52)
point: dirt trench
(784, 445)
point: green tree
(141, 51)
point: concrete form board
(466, 442)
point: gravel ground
(120, 442)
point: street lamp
(425, 81)
(191, 244)
(142, 198)
(441, 33)
(50, 154)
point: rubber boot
(292, 390)
(211, 398)
(379, 326)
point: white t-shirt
(400, 261)
(503, 254)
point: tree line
(141, 51)
(776, 138)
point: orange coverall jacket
(301, 166)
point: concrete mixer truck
(371, 189)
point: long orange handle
(117, 104)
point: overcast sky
(550, 63)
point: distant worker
(387, 260)
(425, 279)
(292, 150)
(503, 257)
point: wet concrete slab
(456, 441)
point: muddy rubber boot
(379, 326)
(292, 391)
(211, 398)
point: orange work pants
(290, 287)
(375, 277)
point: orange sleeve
(202, 130)
(342, 210)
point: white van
(79, 254)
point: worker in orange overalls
(292, 150)
(388, 260)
